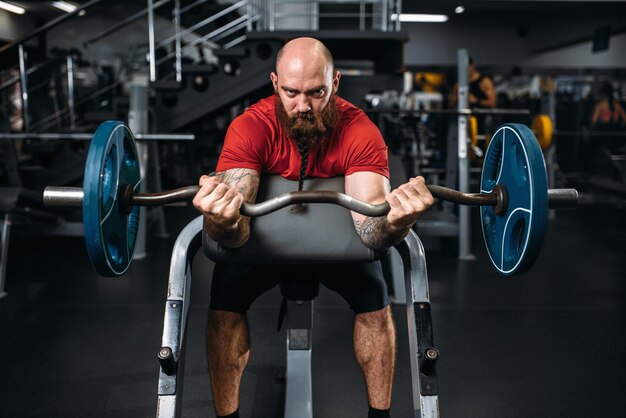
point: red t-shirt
(256, 140)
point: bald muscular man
(304, 130)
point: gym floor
(550, 343)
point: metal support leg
(421, 348)
(299, 390)
(154, 176)
(171, 354)
(70, 91)
(151, 42)
(464, 211)
(24, 87)
(4, 253)
(395, 268)
(138, 124)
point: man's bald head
(307, 49)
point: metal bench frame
(298, 399)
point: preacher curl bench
(325, 234)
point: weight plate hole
(519, 164)
(516, 241)
(129, 159)
(108, 180)
(113, 248)
(492, 166)
(133, 226)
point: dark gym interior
(548, 342)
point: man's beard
(310, 128)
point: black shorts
(236, 286)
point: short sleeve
(368, 150)
(243, 145)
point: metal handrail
(131, 19)
(382, 18)
(31, 70)
(204, 22)
(44, 122)
(237, 23)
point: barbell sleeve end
(562, 198)
(63, 196)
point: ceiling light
(12, 8)
(422, 18)
(65, 6)
(459, 9)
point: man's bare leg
(375, 351)
(228, 350)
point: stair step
(199, 68)
(240, 52)
(99, 116)
(166, 85)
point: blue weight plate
(515, 161)
(110, 233)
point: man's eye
(319, 92)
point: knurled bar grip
(73, 196)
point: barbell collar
(502, 196)
(63, 196)
(562, 198)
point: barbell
(514, 199)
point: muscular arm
(621, 113)
(596, 115)
(220, 199)
(489, 90)
(453, 97)
(407, 203)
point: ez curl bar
(514, 199)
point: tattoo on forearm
(245, 181)
(375, 234)
(239, 178)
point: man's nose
(303, 106)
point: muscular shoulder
(248, 138)
(256, 126)
(486, 81)
(360, 142)
(351, 118)
(257, 116)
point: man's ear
(336, 81)
(274, 79)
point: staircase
(241, 71)
(199, 57)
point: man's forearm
(233, 237)
(377, 234)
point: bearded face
(308, 128)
